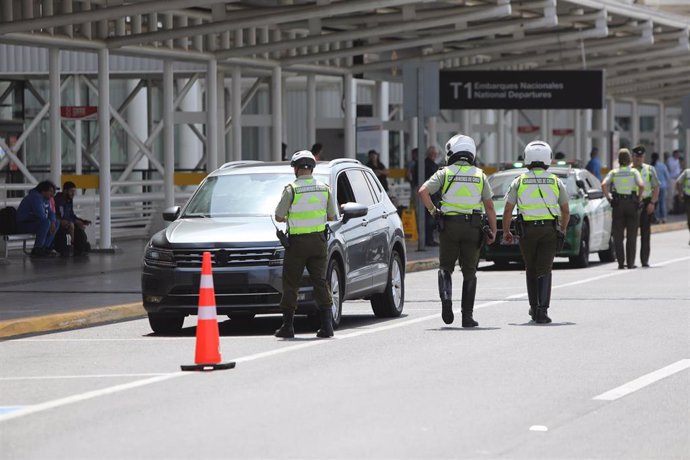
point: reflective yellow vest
(538, 194)
(686, 185)
(308, 211)
(646, 173)
(462, 189)
(623, 181)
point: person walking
(626, 189)
(664, 181)
(650, 199)
(543, 215)
(683, 187)
(306, 205)
(594, 165)
(465, 198)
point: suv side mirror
(171, 213)
(581, 184)
(594, 194)
(352, 210)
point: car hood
(499, 205)
(222, 230)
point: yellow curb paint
(70, 320)
(672, 227)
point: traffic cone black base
(208, 367)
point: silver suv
(230, 215)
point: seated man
(70, 224)
(35, 215)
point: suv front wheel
(389, 304)
(166, 323)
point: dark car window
(591, 180)
(360, 187)
(240, 195)
(345, 194)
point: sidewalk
(44, 295)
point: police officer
(683, 186)
(543, 215)
(465, 193)
(306, 205)
(627, 189)
(649, 200)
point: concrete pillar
(137, 117)
(311, 110)
(467, 123)
(350, 120)
(545, 128)
(635, 123)
(413, 136)
(501, 151)
(55, 127)
(381, 111)
(212, 116)
(577, 135)
(236, 114)
(191, 148)
(220, 115)
(514, 135)
(168, 134)
(276, 114)
(661, 130)
(78, 153)
(586, 126)
(104, 147)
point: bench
(6, 239)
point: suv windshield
(240, 195)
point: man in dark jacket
(35, 215)
(70, 224)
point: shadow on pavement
(557, 265)
(464, 329)
(532, 323)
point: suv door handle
(365, 222)
(384, 215)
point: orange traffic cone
(207, 336)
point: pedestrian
(306, 205)
(317, 150)
(650, 199)
(543, 215)
(683, 187)
(594, 165)
(379, 168)
(626, 187)
(35, 215)
(664, 181)
(70, 224)
(465, 198)
(412, 169)
(430, 168)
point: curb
(70, 320)
(15, 328)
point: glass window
(500, 183)
(360, 187)
(344, 190)
(240, 195)
(375, 185)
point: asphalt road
(609, 378)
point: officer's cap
(639, 150)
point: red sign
(72, 112)
(528, 129)
(563, 132)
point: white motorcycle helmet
(303, 159)
(460, 147)
(538, 154)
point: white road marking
(253, 357)
(644, 381)
(138, 339)
(85, 376)
(538, 428)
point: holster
(518, 226)
(438, 219)
(283, 238)
(560, 240)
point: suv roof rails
(338, 161)
(233, 164)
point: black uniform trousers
(625, 223)
(645, 232)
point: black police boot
(532, 296)
(544, 298)
(326, 315)
(287, 330)
(469, 289)
(445, 290)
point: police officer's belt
(539, 223)
(631, 196)
(462, 217)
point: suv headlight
(159, 257)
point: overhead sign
(78, 112)
(578, 89)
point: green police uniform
(625, 182)
(651, 181)
(684, 181)
(306, 203)
(463, 187)
(539, 196)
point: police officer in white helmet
(465, 197)
(306, 205)
(543, 215)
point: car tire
(581, 260)
(390, 303)
(241, 316)
(334, 277)
(608, 255)
(166, 323)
